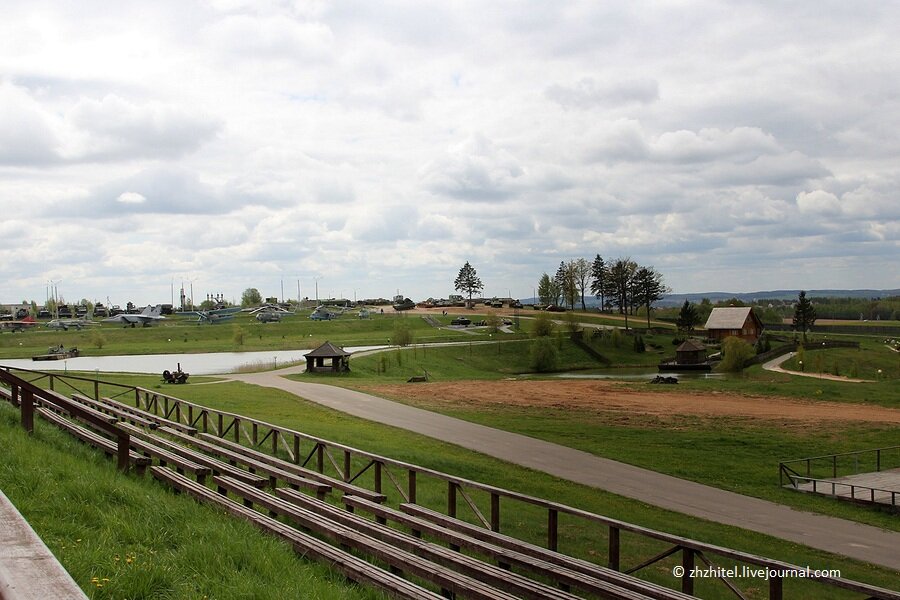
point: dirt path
(601, 396)
(775, 365)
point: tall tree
(468, 282)
(599, 279)
(621, 284)
(548, 291)
(648, 288)
(688, 317)
(251, 297)
(582, 271)
(804, 314)
(561, 279)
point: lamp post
(801, 365)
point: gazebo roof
(327, 350)
(690, 346)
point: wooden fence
(400, 480)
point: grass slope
(122, 536)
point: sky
(369, 148)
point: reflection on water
(209, 363)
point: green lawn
(124, 536)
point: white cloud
(818, 202)
(131, 198)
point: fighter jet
(149, 315)
(26, 323)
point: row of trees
(621, 283)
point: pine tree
(804, 314)
(598, 279)
(688, 317)
(468, 282)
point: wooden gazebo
(340, 359)
(690, 352)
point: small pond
(208, 363)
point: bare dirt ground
(606, 396)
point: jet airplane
(150, 314)
(26, 323)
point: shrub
(639, 346)
(735, 352)
(544, 355)
(98, 339)
(239, 336)
(402, 336)
(543, 325)
(615, 338)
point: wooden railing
(821, 471)
(402, 480)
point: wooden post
(776, 588)
(14, 395)
(495, 511)
(236, 423)
(96, 390)
(275, 433)
(296, 449)
(687, 562)
(347, 458)
(411, 488)
(378, 519)
(451, 499)
(320, 457)
(51, 383)
(255, 434)
(122, 452)
(552, 529)
(27, 410)
(614, 542)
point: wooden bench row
(352, 567)
(565, 570)
(88, 436)
(401, 561)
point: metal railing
(402, 480)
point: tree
(688, 317)
(735, 353)
(599, 279)
(804, 314)
(468, 282)
(582, 272)
(648, 288)
(544, 356)
(621, 284)
(251, 297)
(547, 290)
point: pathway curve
(855, 540)
(775, 365)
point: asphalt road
(854, 540)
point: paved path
(862, 542)
(775, 365)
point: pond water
(208, 363)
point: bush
(543, 325)
(98, 339)
(239, 336)
(544, 355)
(616, 338)
(639, 346)
(402, 336)
(735, 352)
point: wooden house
(690, 352)
(737, 321)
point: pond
(208, 363)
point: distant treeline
(774, 311)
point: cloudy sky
(376, 146)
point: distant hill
(678, 299)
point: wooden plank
(407, 562)
(306, 545)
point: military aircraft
(216, 315)
(268, 316)
(149, 315)
(66, 324)
(26, 323)
(322, 314)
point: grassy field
(243, 333)
(519, 519)
(123, 536)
